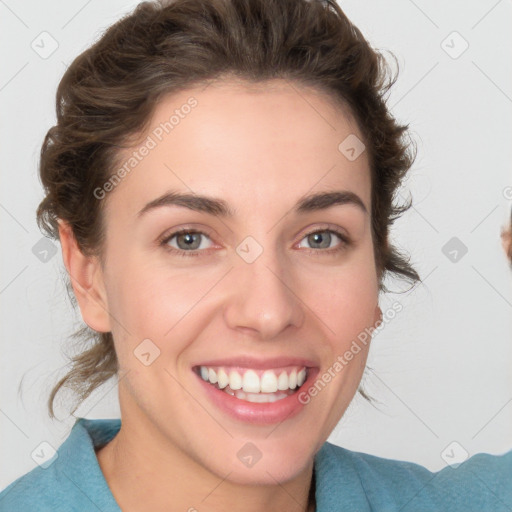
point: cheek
(148, 302)
(344, 299)
(152, 300)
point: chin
(251, 466)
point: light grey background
(442, 367)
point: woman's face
(254, 292)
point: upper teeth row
(250, 382)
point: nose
(263, 302)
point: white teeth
(235, 381)
(282, 382)
(212, 376)
(301, 377)
(268, 382)
(292, 379)
(251, 382)
(223, 379)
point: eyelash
(345, 242)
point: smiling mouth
(253, 385)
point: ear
(378, 316)
(86, 278)
(506, 242)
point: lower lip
(258, 413)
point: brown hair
(108, 94)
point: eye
(325, 240)
(186, 241)
(190, 242)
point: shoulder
(71, 479)
(32, 491)
(482, 482)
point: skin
(260, 149)
(506, 242)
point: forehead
(257, 142)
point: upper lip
(259, 363)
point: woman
(221, 179)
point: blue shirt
(344, 480)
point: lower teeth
(257, 397)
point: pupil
(319, 238)
(189, 240)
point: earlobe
(86, 279)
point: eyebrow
(219, 208)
